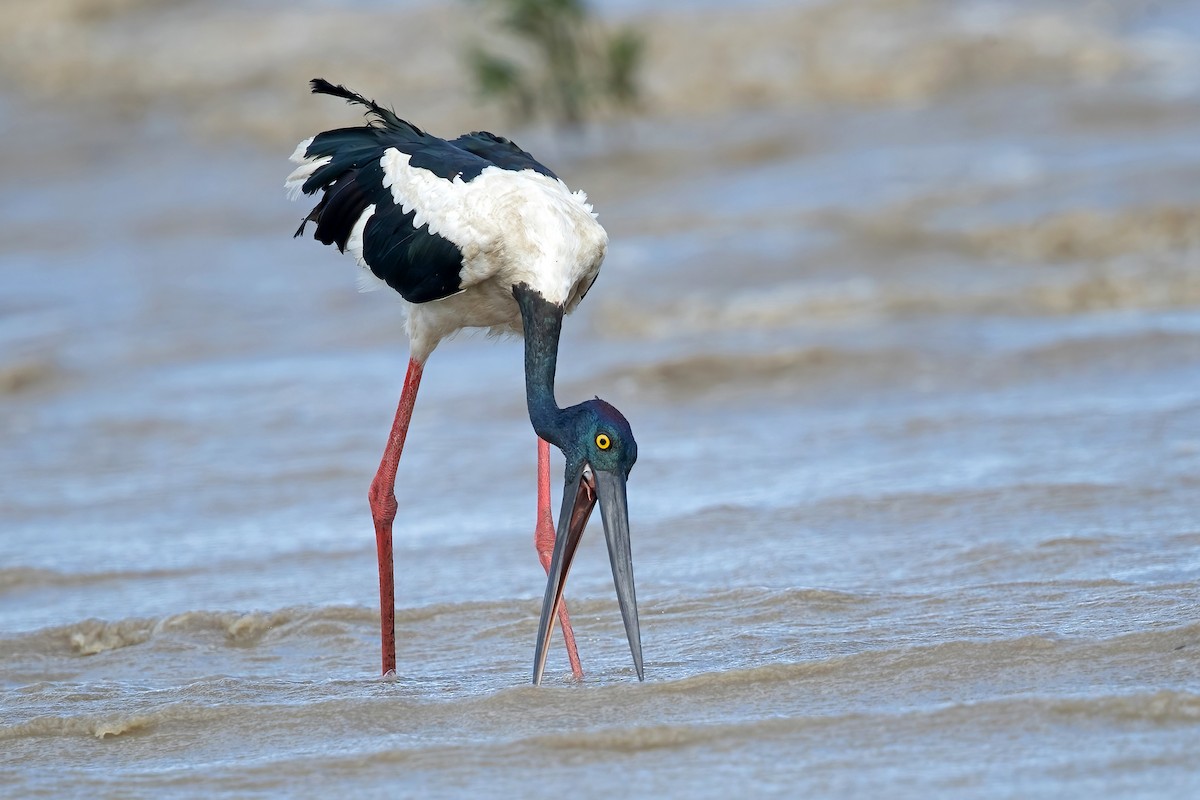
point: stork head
(600, 451)
(602, 439)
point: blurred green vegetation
(556, 62)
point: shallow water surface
(914, 366)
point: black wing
(502, 152)
(420, 265)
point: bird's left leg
(383, 509)
(543, 540)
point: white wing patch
(299, 154)
(367, 280)
(437, 202)
(517, 226)
(307, 166)
(581, 197)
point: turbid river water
(902, 301)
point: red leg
(543, 540)
(383, 510)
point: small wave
(235, 628)
(111, 725)
(95, 636)
(917, 505)
(711, 371)
(779, 307)
(662, 737)
(24, 375)
(781, 602)
(1077, 236)
(590, 742)
(873, 663)
(963, 656)
(1093, 235)
(1141, 348)
(23, 578)
(1066, 291)
(730, 372)
(249, 628)
(102, 726)
(1162, 707)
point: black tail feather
(313, 216)
(385, 115)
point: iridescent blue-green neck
(592, 432)
(542, 321)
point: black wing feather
(504, 153)
(384, 115)
(344, 202)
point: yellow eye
(603, 442)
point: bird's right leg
(543, 540)
(383, 510)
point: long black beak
(579, 497)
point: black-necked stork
(475, 233)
